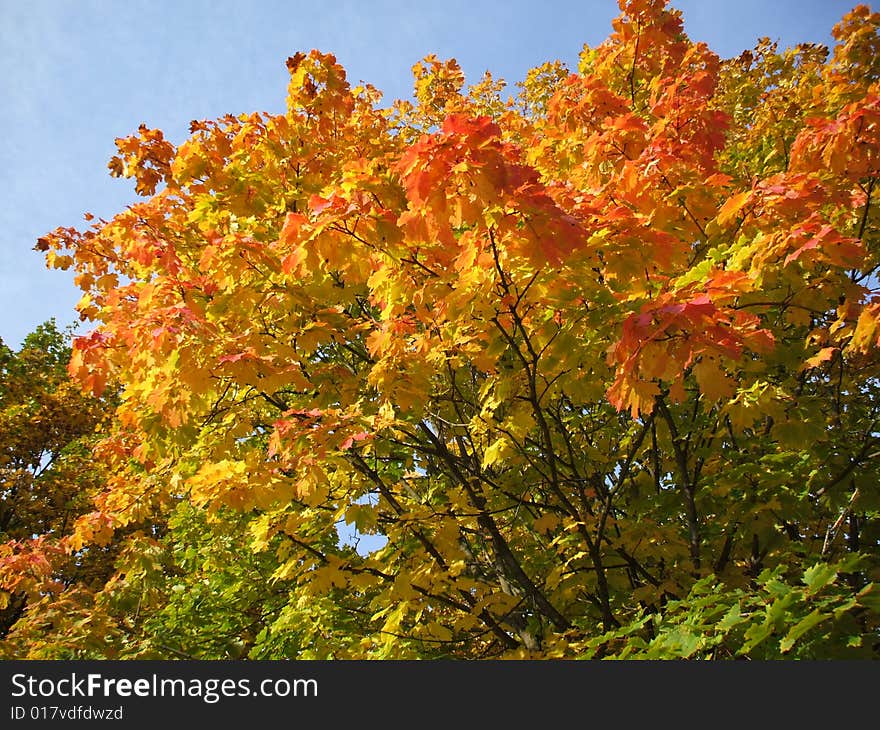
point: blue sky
(74, 75)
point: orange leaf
(733, 206)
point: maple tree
(47, 479)
(595, 367)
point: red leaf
(349, 442)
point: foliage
(595, 367)
(47, 479)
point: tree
(47, 480)
(598, 364)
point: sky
(76, 74)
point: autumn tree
(596, 365)
(47, 480)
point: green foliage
(822, 616)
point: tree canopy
(589, 372)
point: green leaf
(819, 576)
(869, 597)
(678, 642)
(731, 618)
(755, 635)
(800, 628)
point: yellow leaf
(495, 452)
(546, 523)
(714, 383)
(439, 631)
